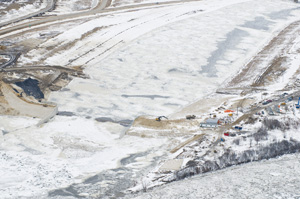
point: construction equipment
(160, 117)
(190, 117)
(2, 47)
(298, 105)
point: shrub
(272, 124)
(261, 134)
(236, 141)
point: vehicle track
(12, 59)
(102, 7)
(262, 64)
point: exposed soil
(11, 103)
(271, 67)
(17, 100)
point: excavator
(160, 117)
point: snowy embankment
(274, 138)
(268, 179)
(263, 137)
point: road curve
(101, 5)
(12, 59)
(50, 6)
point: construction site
(232, 115)
(25, 89)
(108, 99)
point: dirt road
(102, 7)
(102, 4)
(196, 137)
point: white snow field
(159, 72)
(143, 62)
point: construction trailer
(190, 117)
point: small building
(269, 110)
(276, 109)
(210, 123)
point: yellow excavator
(160, 117)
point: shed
(270, 111)
(210, 123)
(213, 121)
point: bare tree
(144, 185)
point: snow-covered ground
(65, 151)
(148, 73)
(23, 10)
(65, 6)
(146, 62)
(116, 3)
(275, 178)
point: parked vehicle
(267, 102)
(290, 98)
